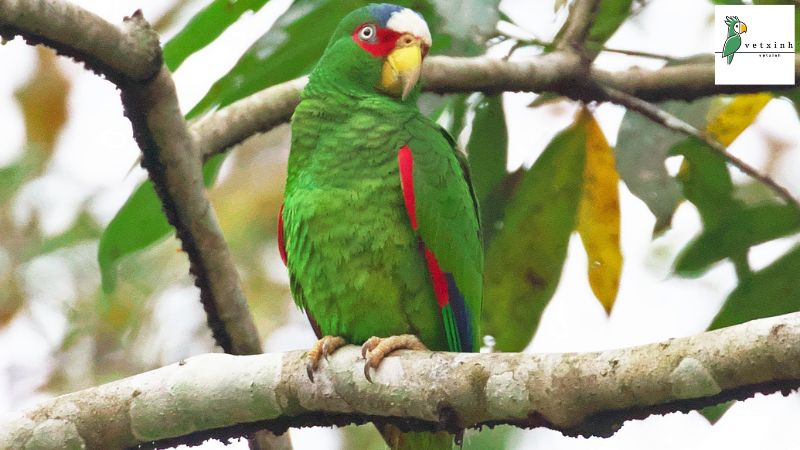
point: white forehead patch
(407, 21)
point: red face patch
(374, 39)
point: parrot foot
(321, 349)
(375, 349)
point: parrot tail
(397, 440)
(730, 58)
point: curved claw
(310, 371)
(366, 372)
(369, 345)
(375, 349)
(321, 349)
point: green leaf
(138, 224)
(494, 207)
(706, 181)
(289, 49)
(298, 38)
(450, 115)
(610, 15)
(773, 291)
(738, 231)
(546, 98)
(495, 438)
(642, 146)
(524, 261)
(488, 146)
(13, 176)
(204, 27)
(84, 228)
(793, 96)
(713, 413)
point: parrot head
(735, 26)
(376, 48)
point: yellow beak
(744, 28)
(402, 67)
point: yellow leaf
(43, 100)
(737, 116)
(599, 215)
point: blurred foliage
(43, 103)
(138, 224)
(529, 215)
(43, 100)
(730, 225)
(643, 146)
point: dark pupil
(366, 32)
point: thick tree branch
(129, 53)
(667, 120)
(175, 167)
(588, 394)
(556, 72)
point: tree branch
(576, 28)
(223, 396)
(131, 59)
(131, 53)
(667, 120)
(556, 72)
(257, 113)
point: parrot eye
(367, 33)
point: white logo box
(767, 53)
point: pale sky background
(95, 152)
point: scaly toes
(321, 349)
(375, 349)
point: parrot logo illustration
(735, 29)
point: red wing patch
(406, 161)
(281, 241)
(455, 313)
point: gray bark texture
(219, 395)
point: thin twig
(544, 44)
(639, 54)
(576, 28)
(666, 119)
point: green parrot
(379, 227)
(734, 40)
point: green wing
(447, 214)
(731, 45)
